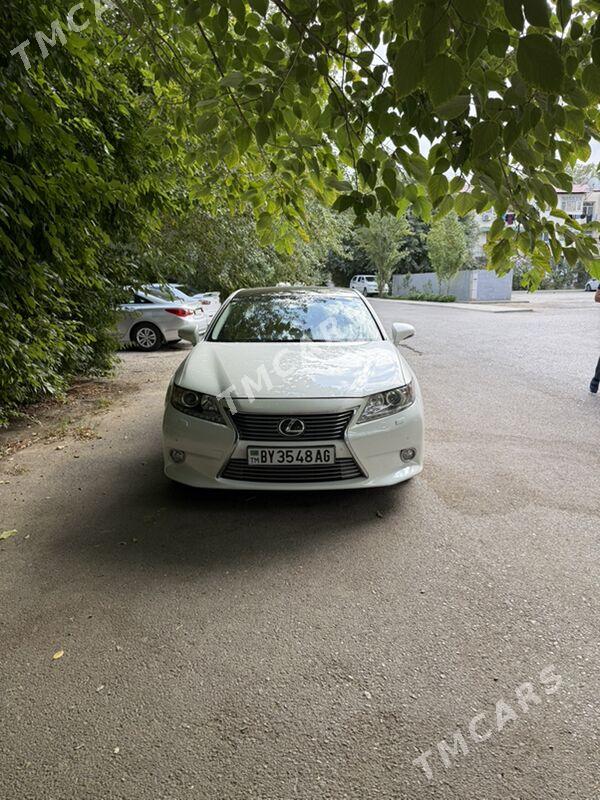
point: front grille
(317, 427)
(343, 469)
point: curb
(492, 308)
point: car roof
(298, 290)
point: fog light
(408, 454)
(178, 456)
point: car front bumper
(374, 446)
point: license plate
(290, 455)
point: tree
(471, 229)
(381, 243)
(288, 95)
(582, 173)
(447, 245)
(339, 96)
(222, 251)
(415, 257)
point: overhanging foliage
(339, 96)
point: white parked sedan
(367, 285)
(148, 321)
(294, 389)
(210, 302)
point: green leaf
(232, 80)
(536, 12)
(260, 6)
(470, 10)
(408, 67)
(500, 252)
(455, 107)
(243, 137)
(576, 31)
(574, 121)
(484, 136)
(548, 195)
(402, 10)
(476, 44)
(262, 131)
(435, 28)
(563, 12)
(343, 202)
(264, 221)
(390, 178)
(338, 185)
(596, 52)
(437, 187)
(443, 78)
(23, 133)
(591, 79)
(384, 197)
(275, 53)
(444, 207)
(514, 13)
(498, 42)
(464, 203)
(238, 9)
(540, 63)
(194, 12)
(206, 122)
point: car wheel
(366, 292)
(146, 337)
(588, 288)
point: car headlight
(196, 404)
(385, 403)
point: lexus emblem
(291, 426)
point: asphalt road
(236, 646)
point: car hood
(294, 370)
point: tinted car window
(295, 318)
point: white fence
(475, 285)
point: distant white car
(148, 321)
(367, 285)
(210, 301)
(592, 285)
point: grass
(427, 297)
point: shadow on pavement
(149, 520)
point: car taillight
(180, 312)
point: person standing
(595, 382)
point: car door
(129, 313)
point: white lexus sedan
(294, 388)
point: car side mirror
(191, 334)
(401, 331)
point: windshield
(295, 318)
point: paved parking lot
(236, 646)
